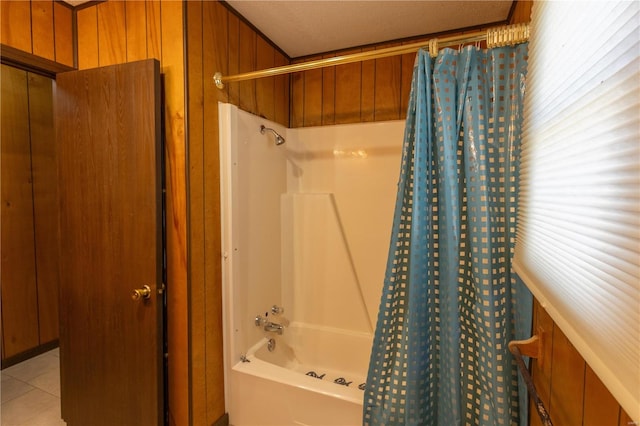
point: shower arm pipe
(499, 36)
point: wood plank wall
(375, 90)
(115, 32)
(567, 386)
(29, 216)
(217, 40)
(42, 28)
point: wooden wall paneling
(45, 204)
(521, 12)
(388, 86)
(265, 87)
(281, 87)
(313, 96)
(348, 91)
(296, 109)
(216, 54)
(153, 28)
(195, 123)
(247, 62)
(112, 40)
(600, 407)
(136, 30)
(541, 370)
(16, 24)
(87, 24)
(328, 94)
(567, 386)
(567, 380)
(39, 27)
(625, 419)
(408, 60)
(42, 30)
(176, 209)
(367, 100)
(233, 65)
(18, 269)
(63, 29)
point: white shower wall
(306, 225)
(341, 185)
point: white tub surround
(305, 226)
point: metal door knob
(141, 293)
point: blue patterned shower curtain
(451, 302)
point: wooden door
(107, 123)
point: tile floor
(30, 392)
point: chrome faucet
(272, 326)
(261, 321)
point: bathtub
(280, 388)
(304, 226)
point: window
(578, 244)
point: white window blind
(578, 241)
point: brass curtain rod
(495, 37)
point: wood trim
(23, 356)
(26, 61)
(222, 421)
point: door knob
(141, 293)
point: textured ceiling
(302, 28)
(306, 27)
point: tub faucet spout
(272, 326)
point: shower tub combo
(305, 232)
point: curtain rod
(495, 37)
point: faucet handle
(260, 321)
(277, 310)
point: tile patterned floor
(30, 392)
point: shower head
(279, 139)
